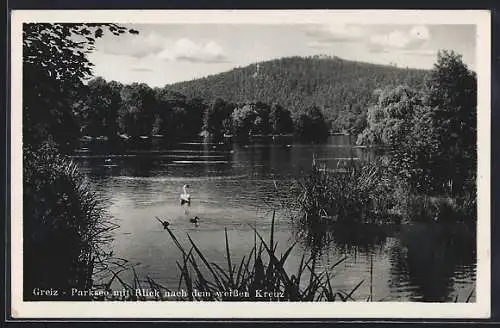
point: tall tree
(214, 116)
(401, 122)
(432, 135)
(452, 95)
(100, 110)
(137, 112)
(63, 226)
(196, 108)
(243, 120)
(55, 65)
(166, 101)
(261, 122)
(280, 120)
(311, 125)
(389, 121)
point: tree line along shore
(425, 121)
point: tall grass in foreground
(64, 225)
(261, 275)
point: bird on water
(194, 220)
(185, 198)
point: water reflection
(430, 263)
(233, 187)
(433, 259)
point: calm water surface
(232, 186)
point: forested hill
(335, 85)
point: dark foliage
(342, 89)
(311, 125)
(111, 109)
(54, 69)
(356, 193)
(64, 225)
(244, 103)
(431, 134)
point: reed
(365, 192)
(361, 194)
(65, 226)
(442, 208)
(261, 275)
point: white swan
(185, 198)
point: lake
(237, 187)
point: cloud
(422, 52)
(158, 46)
(413, 52)
(414, 38)
(137, 46)
(335, 33)
(142, 69)
(318, 44)
(395, 39)
(187, 50)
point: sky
(167, 53)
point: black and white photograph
(250, 164)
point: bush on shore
(358, 193)
(442, 208)
(366, 193)
(64, 224)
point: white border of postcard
(249, 310)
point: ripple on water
(224, 198)
(177, 179)
(200, 162)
